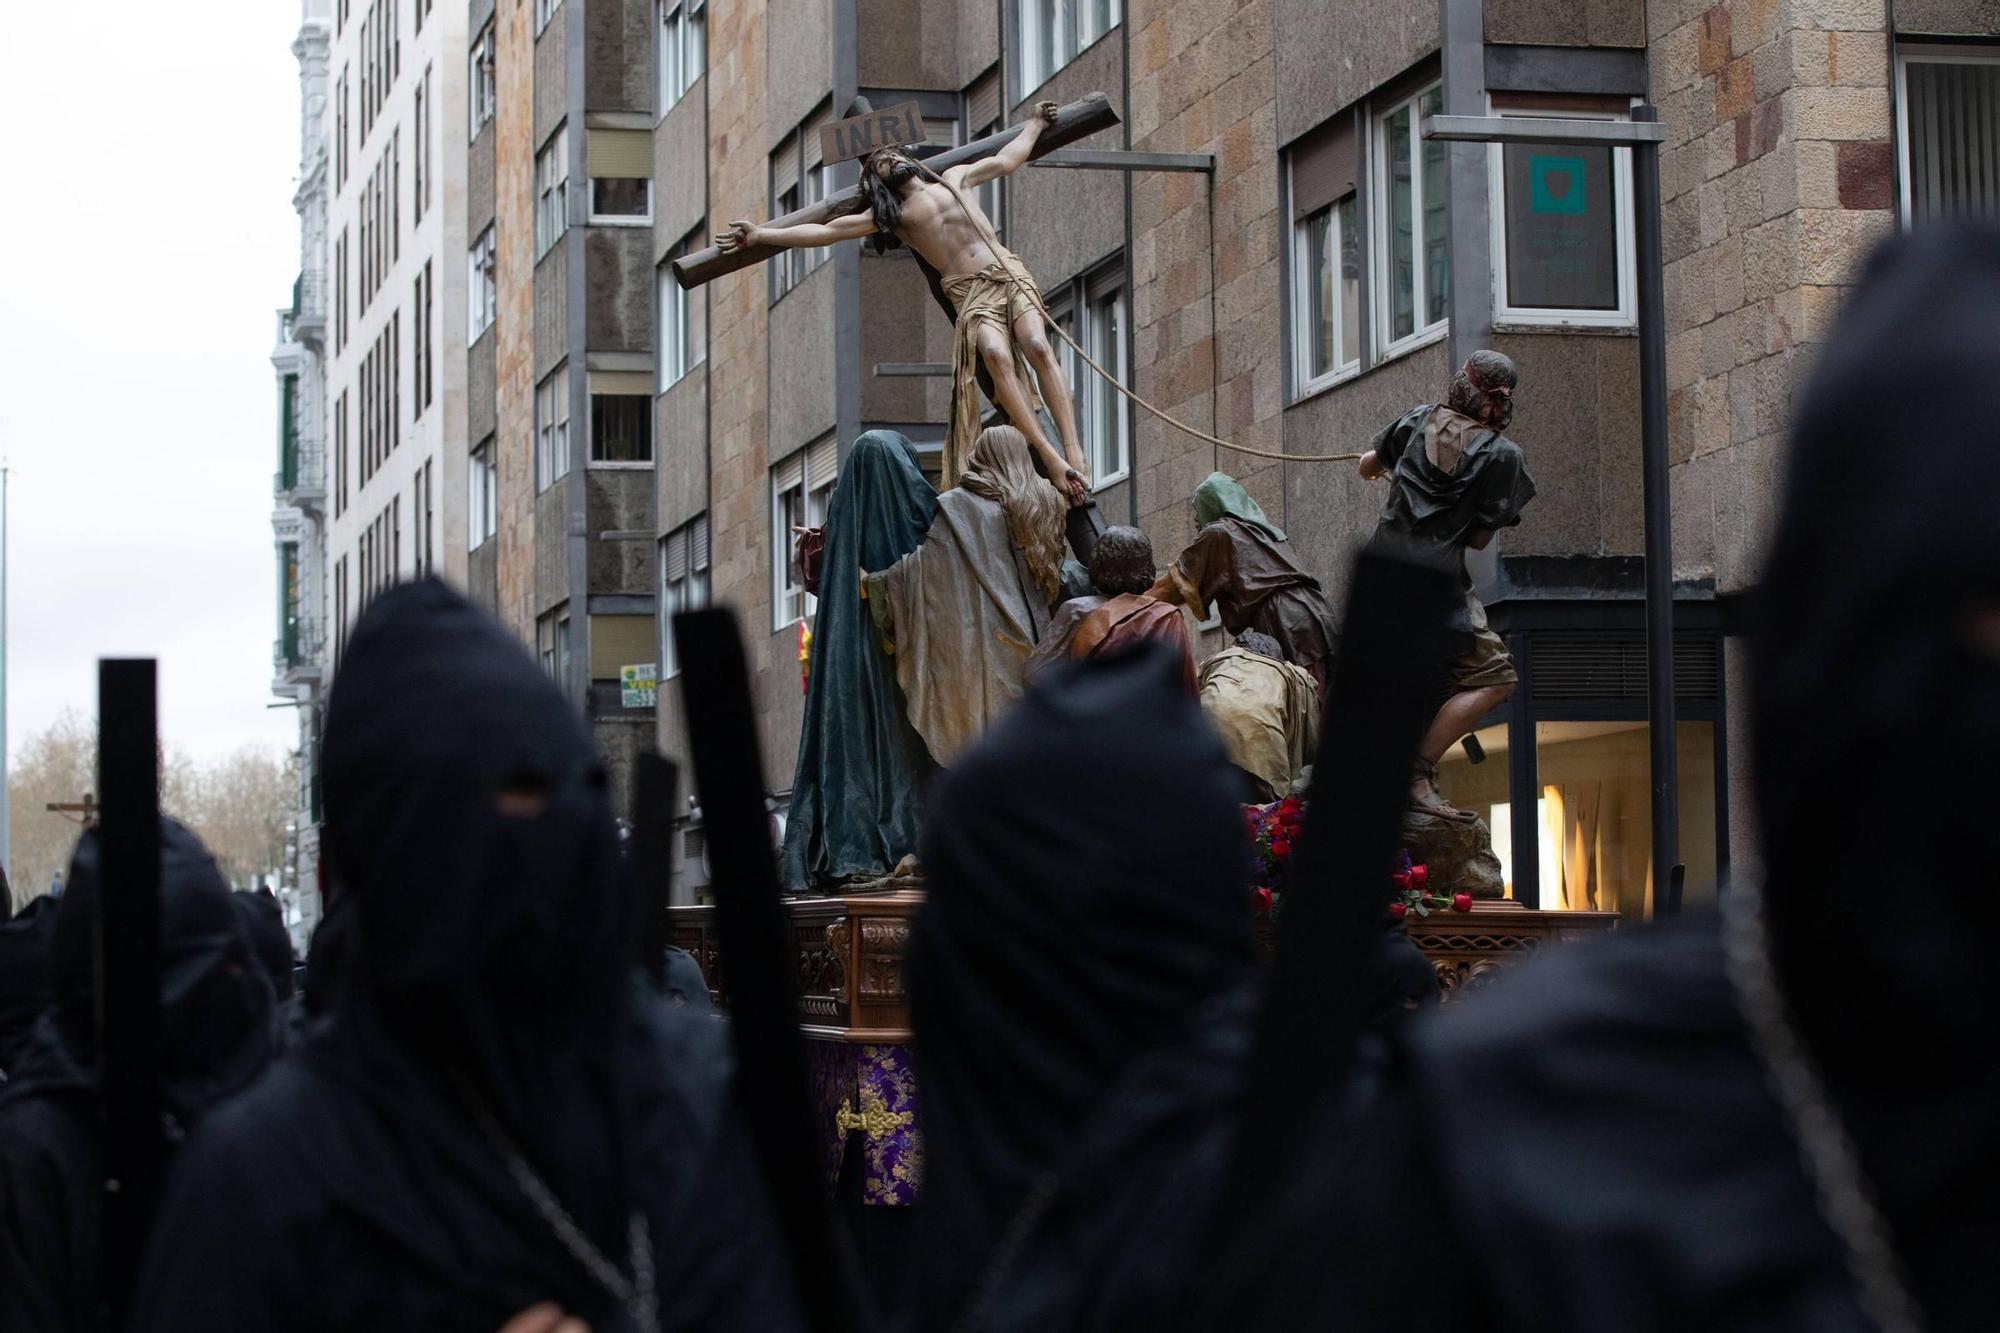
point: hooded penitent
(263, 924)
(217, 1032)
(857, 790)
(25, 988)
(1597, 1133)
(494, 1098)
(1086, 874)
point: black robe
(482, 1021)
(218, 1031)
(25, 988)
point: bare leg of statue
(1012, 397)
(1454, 721)
(1032, 337)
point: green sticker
(1555, 185)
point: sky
(149, 238)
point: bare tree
(238, 805)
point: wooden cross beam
(1078, 120)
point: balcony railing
(305, 322)
(303, 483)
(298, 654)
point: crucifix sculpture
(1000, 319)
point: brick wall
(1777, 180)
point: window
(340, 292)
(682, 42)
(683, 583)
(480, 299)
(620, 163)
(340, 454)
(1054, 31)
(552, 428)
(544, 11)
(801, 486)
(982, 117)
(1412, 279)
(485, 97)
(621, 421)
(1326, 255)
(798, 181)
(1102, 416)
(1948, 102)
(552, 643)
(482, 505)
(683, 319)
(1562, 248)
(420, 167)
(551, 191)
(422, 363)
(340, 133)
(396, 195)
(422, 514)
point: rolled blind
(784, 169)
(822, 462)
(787, 473)
(1323, 165)
(698, 543)
(982, 102)
(809, 138)
(676, 556)
(621, 154)
(621, 381)
(1954, 131)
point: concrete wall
(801, 351)
(1062, 221)
(680, 170)
(1332, 55)
(1567, 22)
(551, 91)
(481, 414)
(552, 307)
(552, 582)
(680, 449)
(619, 500)
(618, 289)
(619, 66)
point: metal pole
(1659, 517)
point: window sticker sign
(1556, 185)
(639, 685)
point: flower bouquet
(1410, 891)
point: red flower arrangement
(1274, 829)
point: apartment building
(558, 446)
(1320, 271)
(299, 516)
(395, 234)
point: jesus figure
(999, 308)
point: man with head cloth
(218, 1030)
(1454, 481)
(964, 610)
(498, 1116)
(1074, 982)
(1242, 562)
(1774, 1117)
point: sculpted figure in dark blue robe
(857, 792)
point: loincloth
(998, 294)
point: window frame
(1388, 345)
(552, 190)
(1086, 29)
(690, 592)
(1626, 316)
(594, 461)
(598, 219)
(553, 456)
(544, 11)
(1073, 308)
(815, 494)
(482, 494)
(484, 95)
(1924, 53)
(481, 292)
(689, 58)
(1300, 299)
(675, 314)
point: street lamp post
(1643, 134)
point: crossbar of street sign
(1540, 130)
(1120, 159)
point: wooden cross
(1078, 120)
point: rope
(993, 242)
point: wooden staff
(1078, 120)
(128, 970)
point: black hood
(263, 924)
(487, 949)
(218, 1028)
(1087, 878)
(25, 986)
